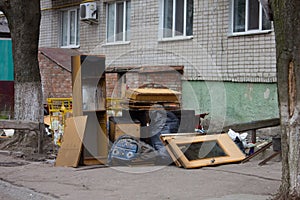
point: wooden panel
(231, 152)
(70, 150)
(76, 84)
(146, 94)
(89, 90)
(169, 149)
(253, 125)
(120, 129)
(146, 69)
(17, 124)
(95, 161)
(88, 81)
(96, 138)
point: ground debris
(23, 144)
(12, 164)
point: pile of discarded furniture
(152, 128)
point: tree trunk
(24, 23)
(287, 32)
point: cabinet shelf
(89, 98)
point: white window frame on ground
(118, 26)
(263, 25)
(171, 22)
(70, 29)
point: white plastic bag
(232, 134)
(242, 137)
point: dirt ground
(22, 179)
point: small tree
(24, 23)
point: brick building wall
(112, 85)
(170, 79)
(211, 56)
(212, 53)
(50, 25)
(56, 81)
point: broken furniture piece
(71, 147)
(276, 143)
(262, 149)
(145, 98)
(276, 153)
(152, 94)
(157, 110)
(251, 127)
(89, 99)
(119, 126)
(194, 151)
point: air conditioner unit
(88, 11)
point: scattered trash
(59, 109)
(162, 122)
(129, 150)
(9, 132)
(199, 128)
(50, 161)
(12, 164)
(240, 140)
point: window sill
(116, 43)
(178, 38)
(70, 47)
(249, 33)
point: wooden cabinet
(119, 126)
(89, 98)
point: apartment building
(227, 48)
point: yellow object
(57, 104)
(59, 110)
(47, 120)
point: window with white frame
(248, 17)
(176, 18)
(70, 28)
(118, 21)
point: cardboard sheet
(70, 150)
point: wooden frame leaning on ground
(174, 142)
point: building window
(70, 28)
(248, 16)
(177, 18)
(118, 22)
